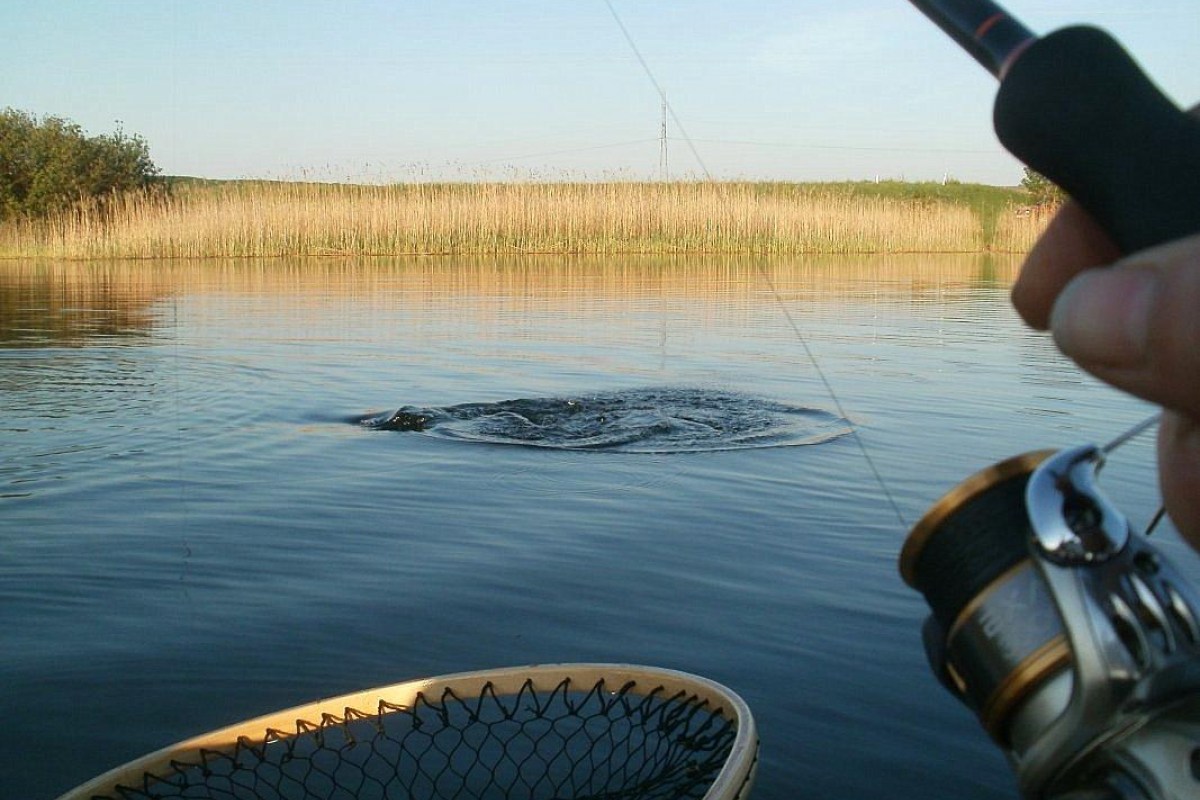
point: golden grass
(1017, 230)
(260, 219)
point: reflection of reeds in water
(560, 281)
(72, 303)
(275, 219)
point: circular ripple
(660, 420)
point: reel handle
(1074, 106)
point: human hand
(1135, 325)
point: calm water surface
(191, 533)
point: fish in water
(658, 420)
(403, 419)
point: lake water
(193, 532)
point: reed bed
(264, 219)
(1017, 230)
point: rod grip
(1075, 107)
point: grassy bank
(247, 218)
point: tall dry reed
(275, 219)
(1017, 230)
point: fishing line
(1133, 433)
(787, 314)
(862, 447)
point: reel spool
(969, 555)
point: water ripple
(655, 420)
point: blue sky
(406, 90)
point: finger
(1135, 325)
(1071, 243)
(1179, 473)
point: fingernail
(1102, 316)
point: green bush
(47, 164)
(1041, 190)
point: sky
(408, 90)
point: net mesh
(558, 743)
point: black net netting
(564, 742)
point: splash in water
(664, 420)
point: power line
(566, 151)
(865, 148)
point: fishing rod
(1076, 642)
(1075, 107)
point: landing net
(540, 733)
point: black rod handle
(1075, 107)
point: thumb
(1179, 473)
(1136, 324)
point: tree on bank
(1041, 189)
(50, 163)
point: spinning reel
(1073, 639)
